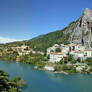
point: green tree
(40, 64)
(65, 60)
(71, 59)
(10, 86)
(58, 50)
(79, 60)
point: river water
(45, 81)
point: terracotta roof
(57, 53)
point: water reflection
(83, 82)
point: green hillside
(41, 43)
(45, 41)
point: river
(45, 81)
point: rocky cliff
(81, 30)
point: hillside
(79, 31)
(42, 43)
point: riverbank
(77, 68)
(66, 66)
(57, 68)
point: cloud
(6, 40)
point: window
(73, 48)
(69, 48)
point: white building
(56, 57)
(78, 54)
(48, 51)
(52, 49)
(82, 54)
(77, 50)
(88, 53)
(65, 49)
(56, 46)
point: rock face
(81, 30)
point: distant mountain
(6, 40)
(40, 36)
(79, 32)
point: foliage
(58, 68)
(48, 57)
(65, 68)
(41, 43)
(40, 64)
(48, 40)
(65, 60)
(72, 23)
(57, 50)
(79, 60)
(9, 49)
(69, 69)
(71, 59)
(9, 86)
(18, 82)
(89, 61)
(61, 61)
(90, 70)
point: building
(88, 53)
(22, 50)
(82, 54)
(76, 47)
(78, 54)
(49, 50)
(65, 49)
(53, 48)
(56, 57)
(77, 50)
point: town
(58, 52)
(70, 58)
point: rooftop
(57, 53)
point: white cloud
(6, 40)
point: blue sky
(25, 19)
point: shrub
(58, 68)
(69, 69)
(58, 50)
(40, 64)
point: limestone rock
(81, 30)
